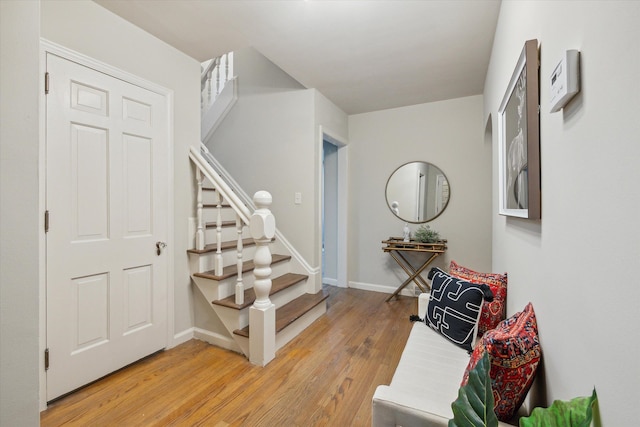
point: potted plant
(425, 234)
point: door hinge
(46, 221)
(46, 83)
(46, 359)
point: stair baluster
(218, 85)
(200, 239)
(239, 262)
(203, 100)
(208, 93)
(226, 58)
(219, 263)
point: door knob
(159, 247)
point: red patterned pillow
(492, 312)
(514, 351)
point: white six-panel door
(106, 193)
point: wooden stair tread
(213, 224)
(232, 270)
(229, 244)
(215, 205)
(289, 313)
(278, 284)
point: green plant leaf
(577, 412)
(425, 234)
(474, 405)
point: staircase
(260, 298)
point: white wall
(270, 141)
(578, 264)
(90, 29)
(448, 134)
(21, 220)
(267, 139)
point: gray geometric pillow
(454, 307)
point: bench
(425, 383)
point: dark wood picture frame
(519, 139)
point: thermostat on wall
(565, 80)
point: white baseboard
(216, 339)
(407, 291)
(182, 337)
(329, 281)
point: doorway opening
(329, 213)
(333, 211)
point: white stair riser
(227, 287)
(210, 215)
(237, 319)
(199, 263)
(278, 299)
(230, 256)
(287, 295)
(228, 234)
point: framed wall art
(519, 139)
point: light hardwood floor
(324, 377)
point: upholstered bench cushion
(424, 384)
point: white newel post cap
(262, 199)
(263, 223)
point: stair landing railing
(215, 74)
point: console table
(395, 246)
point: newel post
(262, 315)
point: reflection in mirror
(417, 192)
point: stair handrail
(198, 157)
(211, 64)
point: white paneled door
(107, 203)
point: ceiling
(364, 55)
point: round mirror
(417, 192)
